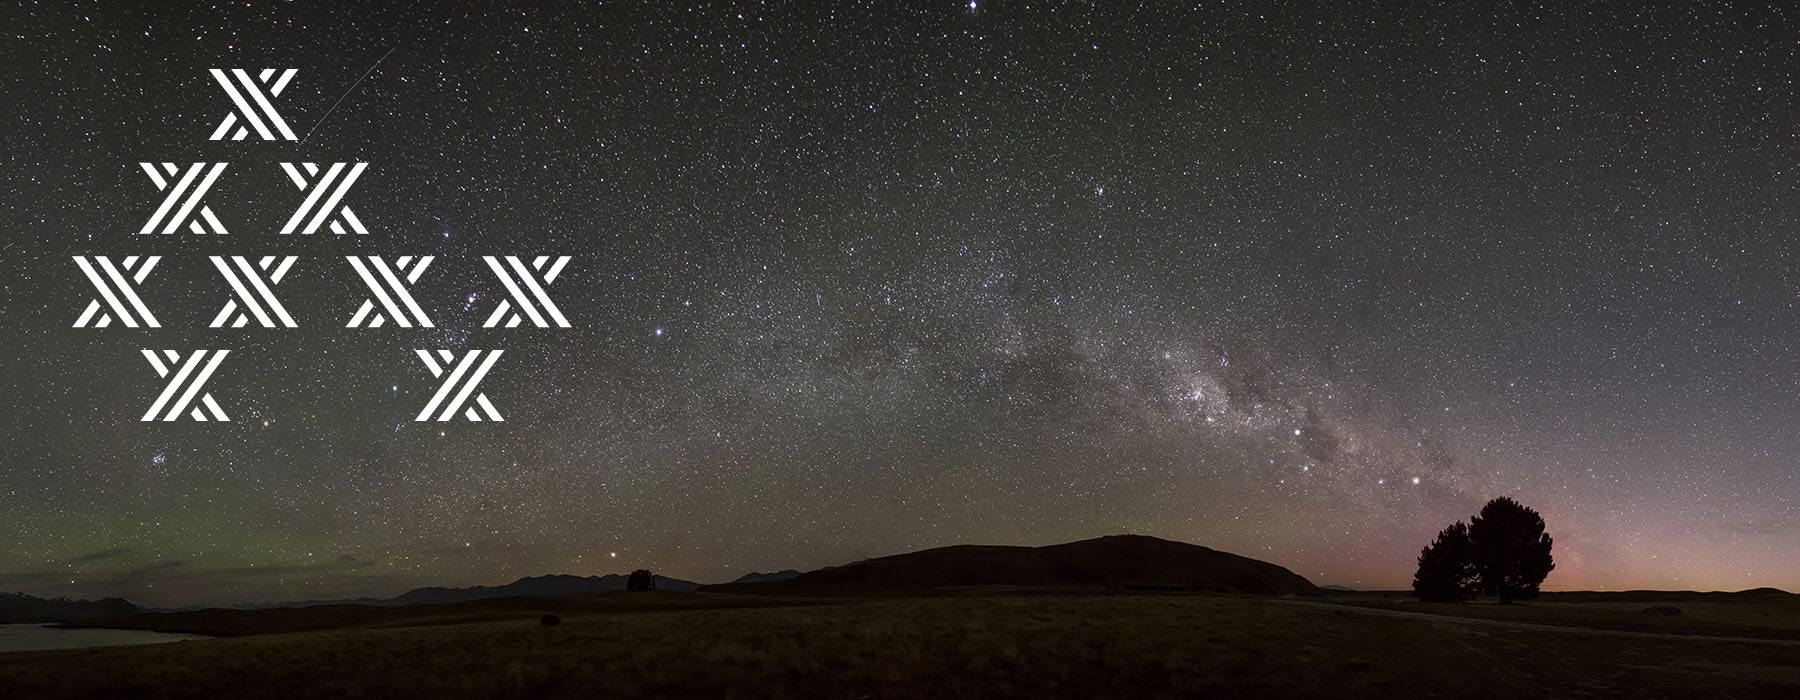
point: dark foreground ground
(993, 644)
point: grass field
(959, 646)
(1772, 617)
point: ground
(987, 644)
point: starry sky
(1302, 284)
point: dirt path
(1541, 627)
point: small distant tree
(641, 580)
(1503, 552)
(1446, 568)
(1511, 551)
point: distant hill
(1337, 588)
(552, 584)
(236, 622)
(756, 576)
(1120, 562)
(1764, 593)
(18, 607)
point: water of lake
(27, 637)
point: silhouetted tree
(1510, 550)
(641, 580)
(1446, 567)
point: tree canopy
(1446, 568)
(1503, 551)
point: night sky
(1301, 284)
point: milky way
(1304, 285)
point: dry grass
(1772, 618)
(978, 646)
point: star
(1013, 291)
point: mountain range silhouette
(1117, 562)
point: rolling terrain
(972, 645)
(1114, 617)
(1118, 562)
(18, 607)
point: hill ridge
(1131, 562)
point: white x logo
(119, 293)
(184, 373)
(252, 92)
(183, 197)
(387, 288)
(323, 212)
(529, 282)
(457, 373)
(256, 283)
